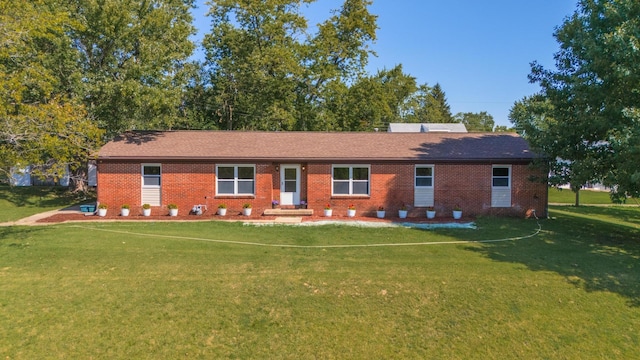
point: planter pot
(457, 214)
(102, 212)
(246, 211)
(173, 212)
(402, 214)
(328, 212)
(351, 213)
(222, 211)
(431, 214)
(146, 212)
(124, 212)
(380, 214)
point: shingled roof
(316, 146)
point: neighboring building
(22, 176)
(484, 173)
(427, 127)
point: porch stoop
(288, 212)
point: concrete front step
(288, 212)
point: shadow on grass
(593, 248)
(40, 196)
(18, 237)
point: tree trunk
(576, 190)
(79, 181)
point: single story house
(483, 173)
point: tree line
(75, 73)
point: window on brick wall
(423, 186)
(235, 179)
(350, 179)
(151, 184)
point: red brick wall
(466, 185)
(391, 186)
(118, 184)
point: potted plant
(146, 210)
(327, 210)
(431, 212)
(102, 210)
(173, 209)
(246, 209)
(222, 209)
(402, 213)
(303, 204)
(274, 204)
(351, 210)
(457, 212)
(124, 210)
(380, 212)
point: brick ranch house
(483, 173)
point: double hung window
(350, 179)
(235, 179)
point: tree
(533, 120)
(502, 128)
(43, 124)
(438, 111)
(132, 55)
(427, 105)
(595, 92)
(373, 102)
(266, 73)
(481, 121)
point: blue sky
(479, 51)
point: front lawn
(19, 202)
(199, 290)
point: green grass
(20, 202)
(587, 197)
(171, 290)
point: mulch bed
(207, 216)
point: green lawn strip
(587, 197)
(566, 196)
(73, 292)
(20, 202)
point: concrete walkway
(33, 219)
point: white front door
(289, 184)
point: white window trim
(154, 176)
(235, 179)
(415, 176)
(351, 181)
(501, 177)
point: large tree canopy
(268, 73)
(268, 70)
(132, 56)
(42, 122)
(592, 119)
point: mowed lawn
(210, 290)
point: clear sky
(478, 50)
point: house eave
(314, 160)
